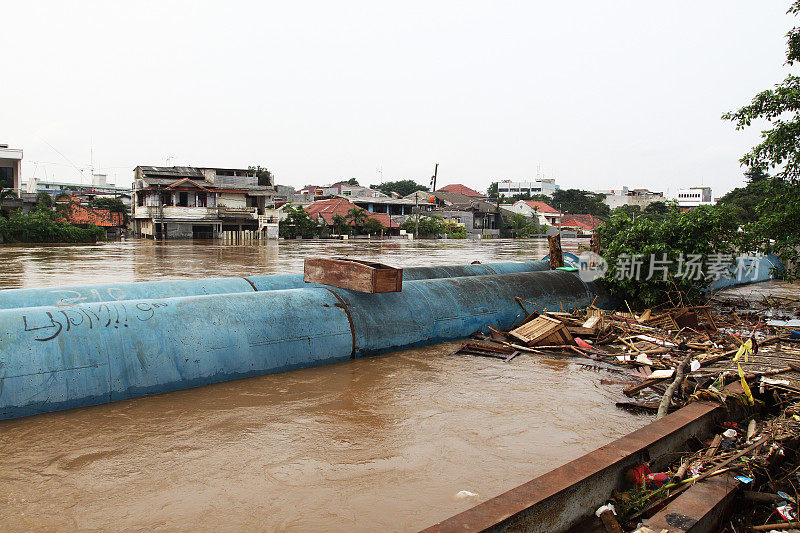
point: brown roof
(541, 207)
(585, 222)
(461, 189)
(327, 209)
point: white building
(542, 212)
(191, 202)
(694, 196)
(642, 197)
(544, 186)
(10, 167)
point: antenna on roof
(433, 178)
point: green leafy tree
(520, 226)
(44, 202)
(298, 224)
(340, 225)
(429, 226)
(356, 217)
(630, 210)
(532, 197)
(702, 231)
(372, 226)
(264, 176)
(580, 202)
(43, 225)
(777, 226)
(401, 187)
(454, 230)
(746, 201)
(6, 193)
(659, 208)
(493, 191)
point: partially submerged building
(480, 218)
(194, 202)
(324, 211)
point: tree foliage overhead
(401, 187)
(770, 206)
(780, 107)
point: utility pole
(435, 173)
(416, 206)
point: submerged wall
(55, 358)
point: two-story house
(192, 202)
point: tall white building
(546, 186)
(694, 196)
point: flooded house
(201, 203)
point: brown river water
(382, 443)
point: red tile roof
(461, 189)
(541, 207)
(585, 222)
(327, 209)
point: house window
(140, 199)
(183, 199)
(202, 199)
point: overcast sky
(595, 94)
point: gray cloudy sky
(600, 94)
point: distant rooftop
(461, 189)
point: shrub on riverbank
(687, 247)
(41, 225)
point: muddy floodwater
(375, 444)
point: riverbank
(42, 226)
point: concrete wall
(233, 201)
(615, 201)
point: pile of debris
(672, 357)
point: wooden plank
(634, 389)
(536, 329)
(362, 276)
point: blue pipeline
(749, 269)
(110, 292)
(54, 358)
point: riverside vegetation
(43, 225)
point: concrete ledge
(563, 497)
(699, 509)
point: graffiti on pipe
(47, 325)
(76, 297)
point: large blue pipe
(110, 292)
(54, 358)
